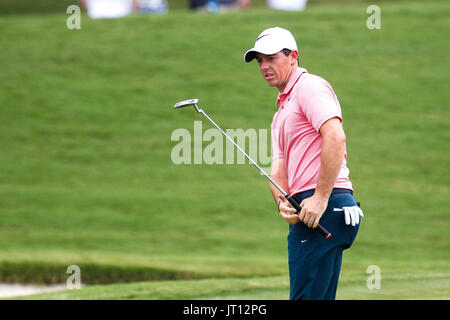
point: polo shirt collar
(292, 81)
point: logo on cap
(264, 35)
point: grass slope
(86, 123)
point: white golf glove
(351, 214)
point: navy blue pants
(314, 262)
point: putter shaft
(291, 200)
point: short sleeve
(318, 101)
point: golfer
(309, 162)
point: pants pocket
(347, 232)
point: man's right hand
(286, 211)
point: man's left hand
(312, 210)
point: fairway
(87, 177)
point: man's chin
(271, 82)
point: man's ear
(294, 55)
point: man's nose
(263, 65)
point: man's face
(277, 68)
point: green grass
(87, 178)
(400, 283)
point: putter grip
(319, 228)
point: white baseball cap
(271, 41)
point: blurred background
(53, 6)
(86, 121)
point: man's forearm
(279, 175)
(282, 182)
(332, 155)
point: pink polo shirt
(304, 105)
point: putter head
(187, 103)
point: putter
(292, 201)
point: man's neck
(291, 72)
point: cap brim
(251, 54)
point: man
(309, 162)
